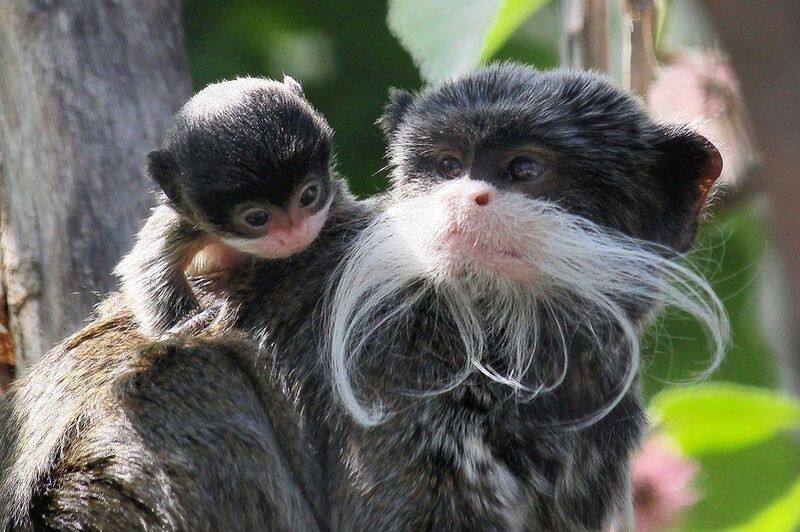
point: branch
(639, 57)
(585, 37)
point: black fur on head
(249, 140)
(399, 104)
(598, 153)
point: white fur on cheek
(582, 276)
(314, 223)
(270, 247)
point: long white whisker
(587, 281)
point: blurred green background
(346, 59)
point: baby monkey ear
(394, 112)
(293, 85)
(163, 169)
(688, 167)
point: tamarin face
(487, 141)
(249, 160)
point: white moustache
(526, 258)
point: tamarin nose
(467, 193)
(481, 197)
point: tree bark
(763, 39)
(87, 87)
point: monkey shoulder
(111, 430)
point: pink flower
(662, 484)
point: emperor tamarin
(483, 329)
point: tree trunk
(87, 87)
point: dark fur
(606, 159)
(611, 164)
(140, 446)
(258, 150)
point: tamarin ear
(293, 85)
(163, 169)
(688, 166)
(394, 112)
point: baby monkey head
(249, 161)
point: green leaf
(510, 16)
(782, 515)
(723, 417)
(448, 37)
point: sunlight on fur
(501, 269)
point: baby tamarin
(245, 168)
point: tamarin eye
(309, 195)
(256, 217)
(450, 167)
(523, 168)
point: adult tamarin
(483, 330)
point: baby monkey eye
(450, 167)
(309, 195)
(524, 168)
(256, 217)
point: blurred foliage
(714, 418)
(783, 514)
(735, 486)
(346, 57)
(720, 418)
(449, 37)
